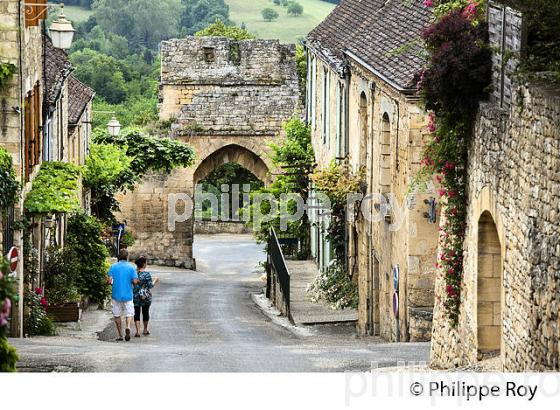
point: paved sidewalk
(303, 310)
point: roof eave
(392, 83)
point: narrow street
(207, 321)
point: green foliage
(269, 14)
(226, 174)
(294, 8)
(55, 189)
(127, 240)
(301, 66)
(543, 39)
(337, 182)
(6, 72)
(8, 356)
(220, 29)
(143, 22)
(61, 268)
(150, 153)
(9, 185)
(335, 287)
(115, 164)
(101, 72)
(198, 14)
(84, 240)
(8, 295)
(296, 151)
(107, 171)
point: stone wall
(217, 227)
(514, 179)
(228, 100)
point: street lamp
(114, 127)
(61, 31)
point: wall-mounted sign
(13, 258)
(396, 304)
(396, 278)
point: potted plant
(62, 293)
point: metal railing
(277, 271)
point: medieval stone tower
(227, 99)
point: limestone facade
(361, 106)
(511, 290)
(228, 100)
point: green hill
(286, 28)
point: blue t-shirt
(123, 273)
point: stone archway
(232, 153)
(489, 286)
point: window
(33, 141)
(35, 11)
(385, 160)
(313, 93)
(326, 106)
(209, 54)
(340, 126)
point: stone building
(34, 120)
(362, 105)
(511, 288)
(227, 99)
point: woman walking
(143, 296)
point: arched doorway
(489, 287)
(223, 183)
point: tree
(295, 9)
(269, 14)
(219, 29)
(101, 72)
(143, 22)
(199, 14)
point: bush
(84, 238)
(220, 29)
(269, 14)
(336, 288)
(61, 270)
(36, 321)
(8, 356)
(460, 66)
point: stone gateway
(227, 99)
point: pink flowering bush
(8, 356)
(36, 321)
(452, 85)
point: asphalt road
(206, 321)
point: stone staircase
(303, 310)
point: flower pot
(69, 312)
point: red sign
(396, 304)
(13, 258)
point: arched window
(326, 107)
(363, 128)
(385, 155)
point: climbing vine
(335, 285)
(455, 79)
(9, 185)
(54, 189)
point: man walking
(122, 276)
